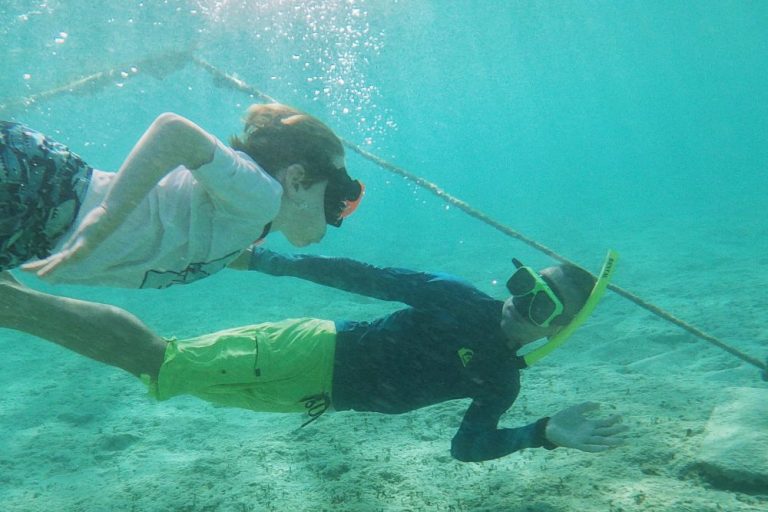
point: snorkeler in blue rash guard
(453, 341)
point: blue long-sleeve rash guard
(447, 344)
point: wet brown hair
(277, 136)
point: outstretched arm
(479, 437)
(418, 289)
(169, 142)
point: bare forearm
(169, 142)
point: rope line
(158, 66)
(161, 65)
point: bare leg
(99, 331)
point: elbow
(168, 118)
(460, 456)
(171, 125)
(182, 139)
(461, 451)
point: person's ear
(293, 177)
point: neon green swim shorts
(273, 367)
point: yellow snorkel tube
(594, 297)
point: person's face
(518, 327)
(302, 211)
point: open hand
(94, 228)
(571, 429)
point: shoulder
(231, 162)
(224, 154)
(236, 183)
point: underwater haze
(638, 126)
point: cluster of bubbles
(320, 49)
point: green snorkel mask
(594, 297)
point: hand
(569, 428)
(94, 228)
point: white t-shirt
(190, 225)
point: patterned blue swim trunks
(42, 186)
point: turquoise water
(639, 126)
